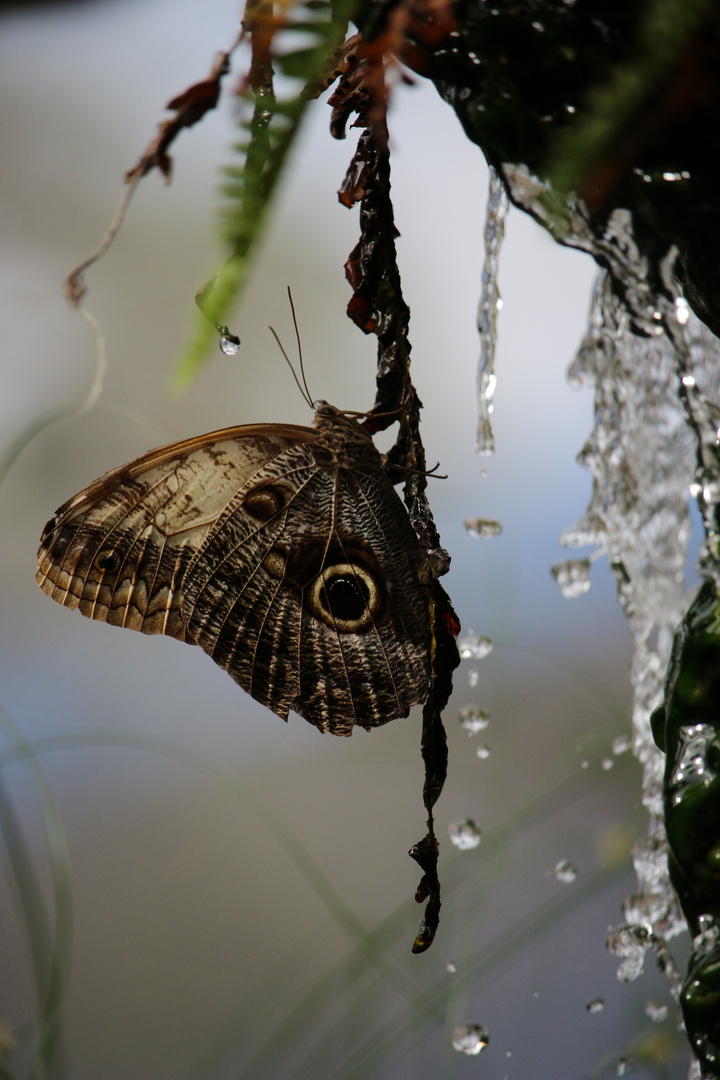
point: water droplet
(682, 311)
(572, 577)
(483, 752)
(607, 764)
(656, 1013)
(595, 1006)
(508, 1053)
(473, 677)
(229, 343)
(570, 108)
(474, 646)
(464, 834)
(482, 527)
(451, 967)
(536, 993)
(488, 388)
(688, 380)
(585, 764)
(622, 1067)
(566, 872)
(539, 27)
(621, 745)
(474, 720)
(469, 1038)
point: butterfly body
(283, 551)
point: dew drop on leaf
(229, 343)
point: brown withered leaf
(189, 107)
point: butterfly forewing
(241, 602)
(119, 550)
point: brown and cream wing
(306, 591)
(365, 617)
(119, 550)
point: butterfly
(283, 551)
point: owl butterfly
(284, 552)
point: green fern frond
(262, 149)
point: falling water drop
(482, 527)
(473, 677)
(474, 646)
(451, 967)
(596, 1005)
(566, 872)
(469, 1038)
(656, 1013)
(572, 577)
(495, 214)
(622, 1067)
(483, 752)
(621, 744)
(464, 834)
(473, 720)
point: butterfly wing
(306, 591)
(119, 550)
(297, 575)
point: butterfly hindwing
(306, 591)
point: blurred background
(241, 893)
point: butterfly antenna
(308, 395)
(288, 361)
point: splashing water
(655, 370)
(490, 304)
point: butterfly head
(341, 436)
